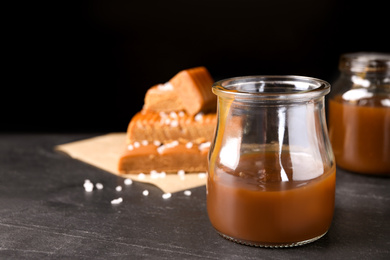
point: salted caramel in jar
(359, 113)
(272, 173)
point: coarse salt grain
(199, 117)
(173, 114)
(202, 175)
(167, 121)
(128, 181)
(181, 172)
(88, 185)
(116, 201)
(99, 186)
(172, 144)
(165, 87)
(166, 195)
(189, 145)
(145, 193)
(141, 176)
(130, 147)
(203, 146)
(174, 123)
(154, 174)
(118, 188)
(187, 192)
(161, 149)
(162, 114)
(156, 143)
(144, 142)
(136, 144)
(181, 114)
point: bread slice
(193, 87)
(170, 157)
(165, 127)
(162, 98)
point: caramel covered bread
(169, 157)
(174, 129)
(189, 91)
(166, 127)
(193, 86)
(162, 98)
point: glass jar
(359, 113)
(272, 174)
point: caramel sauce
(253, 205)
(360, 135)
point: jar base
(271, 245)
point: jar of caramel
(272, 173)
(359, 113)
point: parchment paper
(104, 152)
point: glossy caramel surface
(253, 205)
(360, 135)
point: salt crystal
(173, 114)
(141, 176)
(128, 181)
(145, 193)
(181, 172)
(156, 143)
(172, 144)
(154, 174)
(167, 121)
(166, 196)
(144, 142)
(203, 146)
(165, 87)
(162, 114)
(161, 149)
(202, 175)
(174, 123)
(187, 192)
(118, 188)
(199, 116)
(99, 186)
(181, 114)
(116, 201)
(130, 147)
(189, 145)
(88, 185)
(136, 144)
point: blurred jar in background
(359, 113)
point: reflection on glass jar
(359, 113)
(271, 175)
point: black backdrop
(86, 66)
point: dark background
(85, 66)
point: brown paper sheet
(104, 152)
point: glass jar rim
(271, 88)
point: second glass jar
(359, 113)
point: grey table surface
(45, 213)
